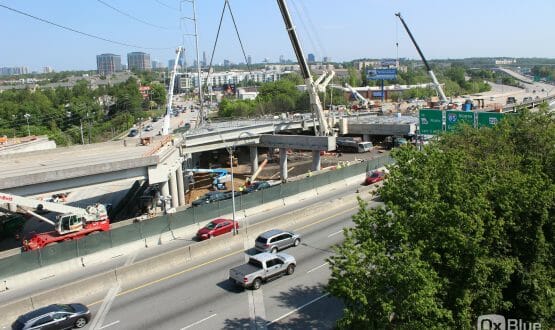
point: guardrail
(138, 231)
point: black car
(256, 186)
(210, 197)
(57, 316)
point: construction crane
(166, 126)
(363, 102)
(73, 223)
(315, 104)
(430, 72)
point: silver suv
(275, 239)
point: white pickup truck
(262, 267)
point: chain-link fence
(98, 241)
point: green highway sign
(431, 121)
(454, 118)
(489, 119)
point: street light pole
(28, 129)
(232, 189)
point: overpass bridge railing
(53, 254)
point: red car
(375, 176)
(216, 227)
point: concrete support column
(180, 186)
(283, 164)
(165, 189)
(173, 189)
(254, 158)
(316, 160)
(366, 137)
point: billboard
(431, 121)
(454, 118)
(489, 119)
(379, 74)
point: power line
(133, 17)
(77, 31)
(167, 6)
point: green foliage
(467, 229)
(60, 112)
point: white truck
(262, 267)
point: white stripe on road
(337, 232)
(297, 309)
(199, 322)
(104, 308)
(109, 325)
(318, 267)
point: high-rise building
(108, 63)
(47, 69)
(157, 64)
(138, 61)
(249, 60)
(227, 62)
(204, 59)
(311, 58)
(281, 59)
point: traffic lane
(204, 292)
(319, 313)
(181, 300)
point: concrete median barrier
(10, 312)
(71, 292)
(144, 268)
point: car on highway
(216, 227)
(149, 128)
(275, 240)
(256, 186)
(262, 267)
(133, 132)
(214, 196)
(374, 176)
(55, 316)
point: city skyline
(340, 31)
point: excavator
(72, 223)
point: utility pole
(81, 129)
(28, 129)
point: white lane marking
(337, 232)
(199, 322)
(298, 309)
(104, 308)
(317, 267)
(109, 325)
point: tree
(467, 228)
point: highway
(200, 296)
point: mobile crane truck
(73, 223)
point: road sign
(379, 74)
(489, 119)
(454, 118)
(431, 121)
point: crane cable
(133, 17)
(226, 3)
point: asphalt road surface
(201, 296)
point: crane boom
(428, 68)
(36, 204)
(315, 103)
(357, 95)
(166, 127)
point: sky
(340, 30)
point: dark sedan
(56, 316)
(256, 186)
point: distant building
(204, 62)
(145, 91)
(249, 60)
(227, 62)
(138, 61)
(108, 64)
(14, 71)
(311, 58)
(281, 59)
(326, 59)
(47, 69)
(157, 64)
